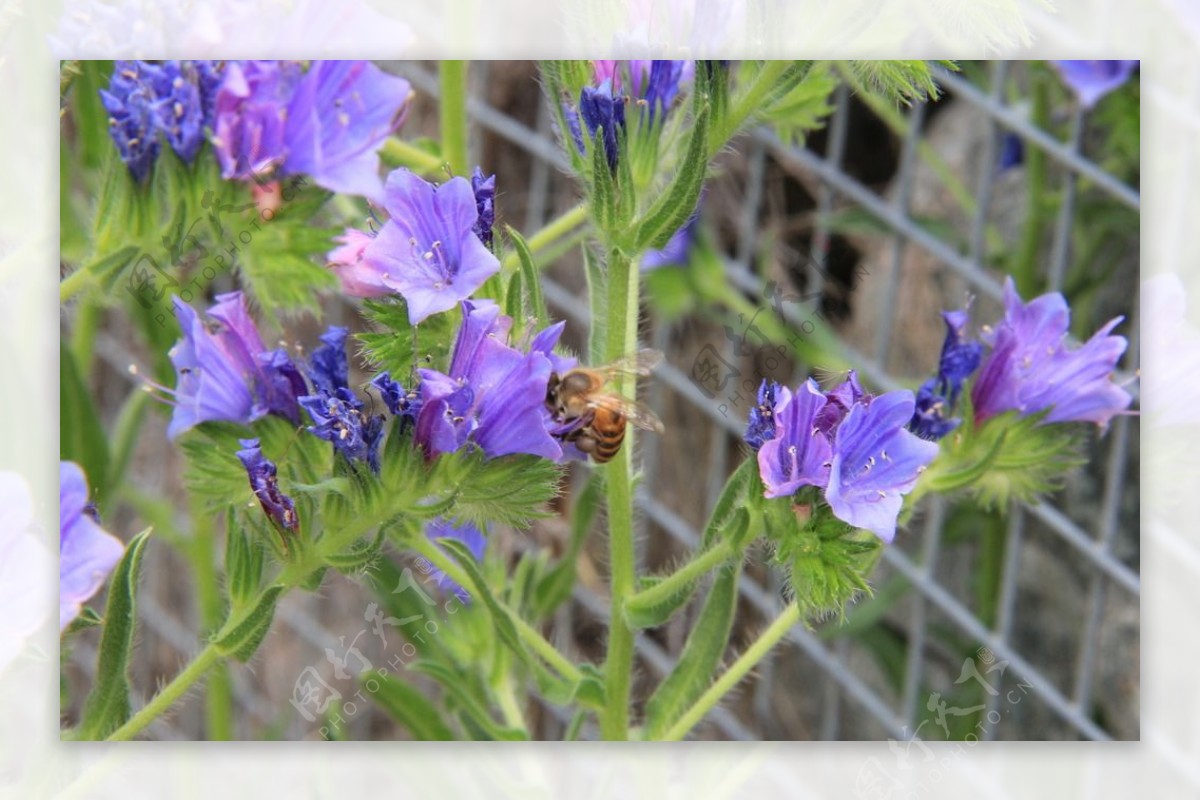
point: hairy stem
(789, 617)
(621, 332)
(167, 697)
(678, 581)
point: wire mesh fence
(1053, 654)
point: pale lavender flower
(88, 552)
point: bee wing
(636, 413)
(639, 363)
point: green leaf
(742, 482)
(107, 706)
(399, 347)
(81, 435)
(505, 628)
(358, 557)
(898, 81)
(603, 200)
(700, 658)
(407, 706)
(805, 106)
(474, 715)
(679, 199)
(531, 280)
(243, 562)
(242, 640)
(279, 269)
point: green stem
(1025, 269)
(218, 693)
(682, 578)
(621, 331)
(398, 153)
(789, 617)
(559, 227)
(73, 284)
(528, 634)
(167, 697)
(454, 115)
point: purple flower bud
(329, 366)
(131, 101)
(263, 480)
(428, 250)
(937, 397)
(604, 113)
(485, 196)
(762, 417)
(402, 404)
(88, 552)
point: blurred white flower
(25, 565)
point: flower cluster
(224, 372)
(494, 395)
(263, 116)
(174, 100)
(852, 446)
(653, 84)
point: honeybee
(596, 420)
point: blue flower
(1031, 369)
(88, 553)
(875, 462)
(653, 83)
(799, 453)
(131, 101)
(485, 197)
(251, 111)
(938, 396)
(339, 116)
(762, 417)
(428, 250)
(328, 365)
(264, 481)
(225, 373)
(604, 116)
(1092, 80)
(1012, 152)
(494, 395)
(469, 535)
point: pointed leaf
(407, 706)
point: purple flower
(937, 397)
(88, 552)
(875, 462)
(428, 251)
(131, 101)
(1092, 80)
(339, 116)
(846, 442)
(494, 395)
(762, 417)
(265, 483)
(1031, 369)
(485, 197)
(654, 83)
(469, 535)
(799, 453)
(251, 113)
(329, 366)
(604, 115)
(225, 373)
(1012, 152)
